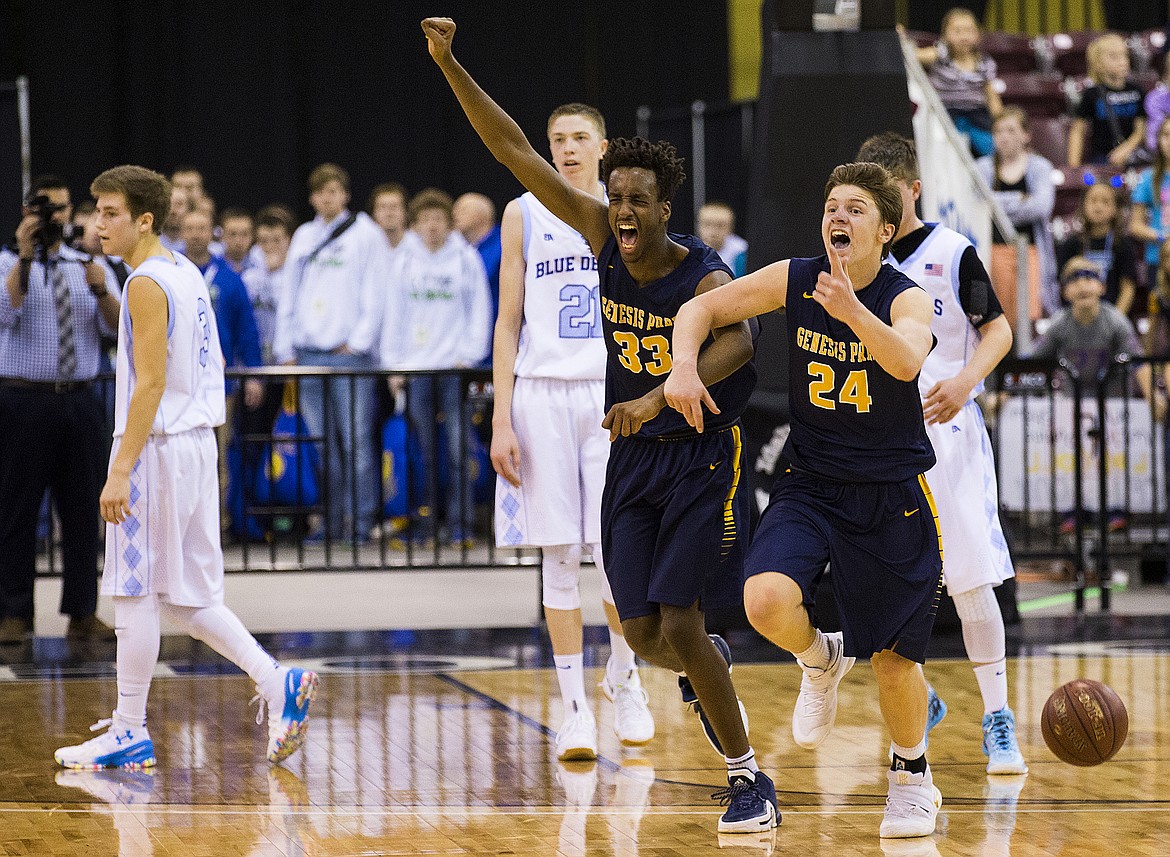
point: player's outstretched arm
(723, 310)
(507, 143)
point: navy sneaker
(690, 698)
(751, 804)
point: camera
(49, 232)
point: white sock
(992, 680)
(621, 658)
(744, 766)
(817, 656)
(221, 629)
(910, 753)
(136, 622)
(571, 678)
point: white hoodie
(438, 306)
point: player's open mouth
(839, 239)
(627, 237)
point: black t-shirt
(1128, 106)
(1114, 254)
(1024, 229)
(976, 295)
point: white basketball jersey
(194, 394)
(935, 267)
(561, 335)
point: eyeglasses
(1080, 274)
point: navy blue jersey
(639, 325)
(851, 420)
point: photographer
(54, 307)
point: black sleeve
(1125, 258)
(1088, 104)
(976, 295)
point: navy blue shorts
(882, 542)
(673, 530)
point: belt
(45, 386)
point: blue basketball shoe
(936, 709)
(1000, 745)
(120, 746)
(751, 804)
(288, 714)
(692, 699)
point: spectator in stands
(238, 338)
(1110, 122)
(963, 76)
(171, 237)
(189, 180)
(437, 316)
(716, 227)
(1150, 198)
(1022, 183)
(387, 206)
(237, 231)
(265, 282)
(474, 216)
(1158, 335)
(1103, 242)
(329, 315)
(1090, 334)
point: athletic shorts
(563, 450)
(673, 524)
(169, 544)
(881, 540)
(967, 498)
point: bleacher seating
(1050, 135)
(1067, 51)
(1040, 94)
(1012, 52)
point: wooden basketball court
(459, 762)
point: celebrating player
(672, 534)
(548, 372)
(852, 491)
(973, 336)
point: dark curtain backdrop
(257, 93)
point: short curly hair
(660, 158)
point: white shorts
(563, 453)
(963, 483)
(169, 545)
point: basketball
(1084, 722)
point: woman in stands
(1102, 240)
(1022, 183)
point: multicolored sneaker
(288, 714)
(632, 721)
(936, 709)
(750, 802)
(120, 746)
(1000, 745)
(692, 699)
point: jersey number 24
(855, 390)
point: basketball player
(547, 440)
(671, 530)
(852, 491)
(973, 336)
(161, 498)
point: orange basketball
(1084, 722)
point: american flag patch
(933, 270)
